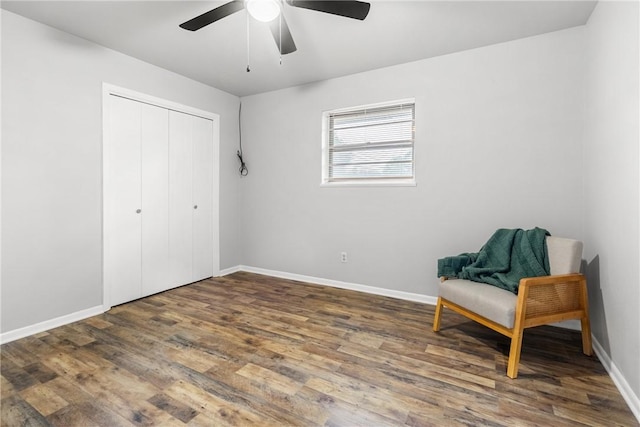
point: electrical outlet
(343, 257)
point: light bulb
(263, 10)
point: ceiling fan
(269, 10)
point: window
(370, 145)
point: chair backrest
(565, 255)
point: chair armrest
(559, 297)
(550, 280)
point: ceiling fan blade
(213, 15)
(347, 8)
(288, 45)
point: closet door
(123, 269)
(190, 198)
(202, 137)
(180, 198)
(154, 142)
(158, 197)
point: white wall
(52, 160)
(498, 144)
(612, 190)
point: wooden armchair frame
(541, 300)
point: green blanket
(507, 257)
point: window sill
(371, 183)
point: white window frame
(357, 182)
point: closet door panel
(154, 143)
(180, 199)
(123, 185)
(202, 198)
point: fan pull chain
(280, 38)
(248, 45)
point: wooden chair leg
(587, 348)
(514, 353)
(436, 317)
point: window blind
(371, 143)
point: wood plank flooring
(252, 350)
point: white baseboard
(229, 270)
(618, 379)
(50, 324)
(337, 284)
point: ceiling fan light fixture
(263, 10)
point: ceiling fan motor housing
(263, 10)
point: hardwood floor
(247, 350)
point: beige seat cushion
(488, 301)
(498, 304)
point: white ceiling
(328, 46)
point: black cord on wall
(243, 167)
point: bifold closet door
(190, 198)
(123, 266)
(138, 238)
(180, 197)
(154, 164)
(202, 198)
(158, 199)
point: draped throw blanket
(508, 256)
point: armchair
(540, 300)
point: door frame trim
(113, 90)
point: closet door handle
(138, 210)
(195, 207)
